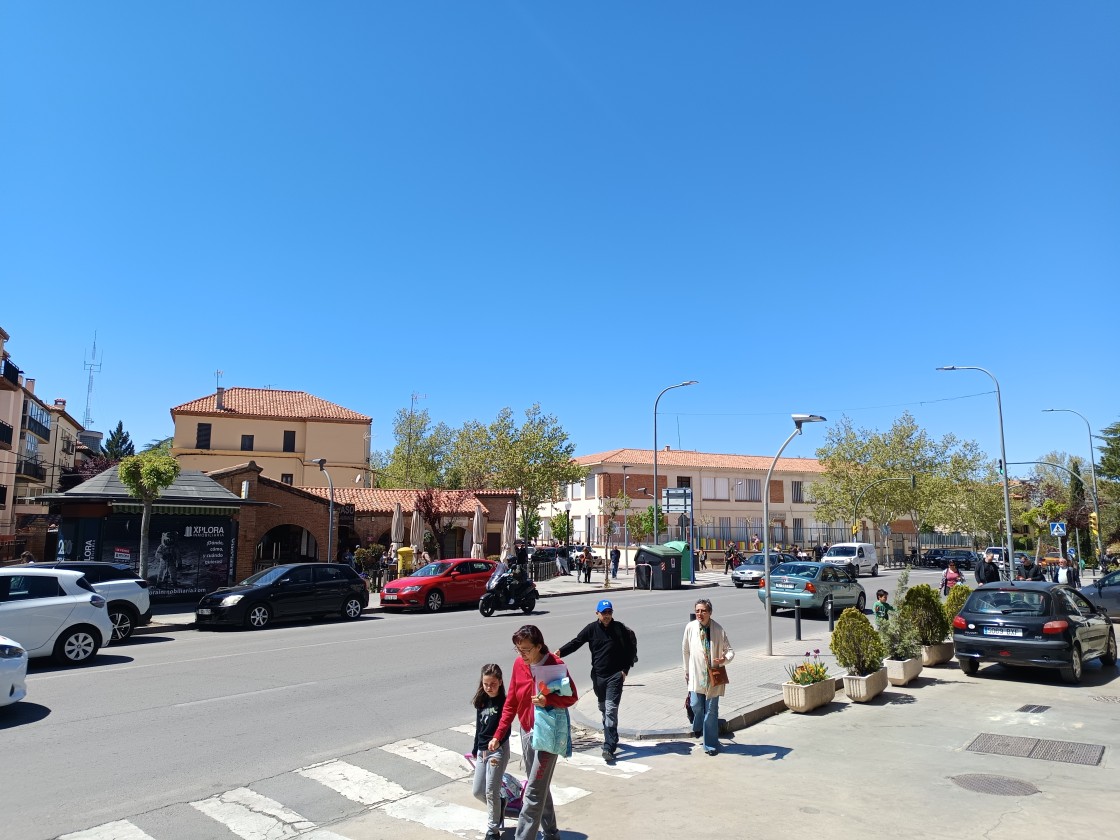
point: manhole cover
(1069, 752)
(1003, 745)
(1032, 710)
(994, 785)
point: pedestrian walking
(585, 561)
(1067, 574)
(987, 571)
(614, 651)
(27, 558)
(705, 645)
(702, 557)
(523, 699)
(951, 577)
(730, 558)
(616, 555)
(490, 765)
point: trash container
(657, 567)
(685, 551)
(404, 560)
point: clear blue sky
(806, 206)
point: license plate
(783, 586)
(205, 611)
(1003, 631)
(388, 597)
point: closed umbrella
(509, 532)
(397, 532)
(478, 533)
(417, 534)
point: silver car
(1105, 593)
(752, 570)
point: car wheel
(529, 604)
(826, 606)
(76, 645)
(1109, 655)
(875, 571)
(1072, 674)
(969, 667)
(434, 601)
(124, 621)
(486, 605)
(738, 584)
(352, 609)
(258, 616)
(861, 602)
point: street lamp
(798, 421)
(1009, 545)
(656, 530)
(1093, 462)
(568, 532)
(322, 462)
(626, 520)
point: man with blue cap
(614, 650)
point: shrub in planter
(922, 606)
(955, 601)
(856, 645)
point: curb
(756, 713)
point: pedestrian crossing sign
(1057, 529)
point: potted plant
(859, 649)
(922, 606)
(954, 602)
(809, 685)
(900, 638)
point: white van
(858, 555)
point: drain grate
(995, 785)
(1107, 698)
(1032, 710)
(1069, 752)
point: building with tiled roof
(279, 430)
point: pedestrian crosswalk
(256, 814)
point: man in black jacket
(613, 652)
(1030, 570)
(987, 571)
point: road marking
(242, 694)
(355, 783)
(447, 762)
(254, 817)
(438, 815)
(581, 761)
(119, 830)
(566, 795)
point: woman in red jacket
(522, 699)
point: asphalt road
(179, 717)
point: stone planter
(862, 689)
(937, 654)
(901, 671)
(805, 698)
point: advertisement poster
(188, 556)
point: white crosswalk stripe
(118, 830)
(254, 817)
(444, 761)
(355, 783)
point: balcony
(7, 435)
(9, 376)
(33, 470)
(37, 428)
(3, 496)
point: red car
(455, 581)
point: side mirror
(454, 575)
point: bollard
(831, 617)
(797, 619)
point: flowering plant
(812, 670)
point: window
(798, 530)
(748, 490)
(202, 436)
(329, 573)
(742, 529)
(246, 443)
(684, 481)
(715, 489)
(724, 526)
(286, 478)
(798, 490)
(577, 490)
(289, 441)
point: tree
(609, 508)
(641, 523)
(96, 465)
(418, 457)
(529, 526)
(561, 527)
(119, 444)
(160, 445)
(146, 476)
(439, 510)
(1108, 466)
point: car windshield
(760, 560)
(266, 577)
(803, 570)
(431, 570)
(1008, 602)
(841, 551)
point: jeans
(609, 693)
(537, 810)
(705, 712)
(614, 568)
(488, 770)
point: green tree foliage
(146, 476)
(160, 445)
(856, 645)
(922, 606)
(119, 444)
(954, 601)
(418, 459)
(529, 526)
(561, 527)
(641, 523)
(1108, 465)
(609, 508)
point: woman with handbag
(706, 652)
(951, 577)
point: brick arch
(285, 543)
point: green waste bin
(686, 557)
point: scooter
(512, 592)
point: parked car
(53, 612)
(127, 593)
(818, 586)
(13, 671)
(966, 559)
(1105, 593)
(855, 555)
(292, 590)
(932, 557)
(1044, 625)
(432, 587)
(753, 569)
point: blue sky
(804, 206)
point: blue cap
(604, 605)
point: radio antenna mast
(93, 366)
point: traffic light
(855, 530)
(1000, 462)
(1093, 524)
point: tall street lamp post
(1093, 463)
(798, 421)
(568, 534)
(1008, 545)
(322, 462)
(626, 520)
(656, 492)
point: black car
(965, 559)
(295, 590)
(1045, 625)
(932, 557)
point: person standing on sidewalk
(585, 567)
(616, 555)
(987, 571)
(613, 653)
(1067, 574)
(704, 644)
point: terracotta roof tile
(271, 404)
(378, 500)
(704, 460)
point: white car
(53, 612)
(130, 606)
(13, 671)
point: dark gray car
(1105, 593)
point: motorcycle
(512, 592)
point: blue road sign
(1057, 529)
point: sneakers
(608, 756)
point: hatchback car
(1043, 625)
(293, 590)
(752, 570)
(965, 558)
(458, 581)
(1105, 593)
(13, 671)
(127, 593)
(53, 612)
(818, 586)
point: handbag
(717, 674)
